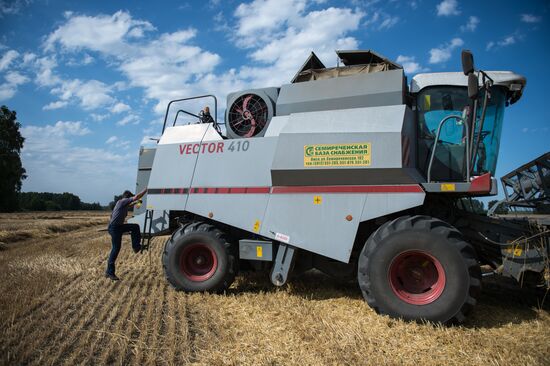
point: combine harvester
(349, 171)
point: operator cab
(441, 95)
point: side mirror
(473, 89)
(467, 62)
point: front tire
(419, 268)
(198, 258)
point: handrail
(182, 111)
(467, 147)
(476, 141)
(191, 98)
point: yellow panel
(448, 187)
(256, 227)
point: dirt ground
(57, 308)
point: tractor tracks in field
(190, 320)
(139, 320)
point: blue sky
(90, 80)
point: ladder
(146, 234)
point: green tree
(501, 210)
(12, 172)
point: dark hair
(127, 194)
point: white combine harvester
(347, 170)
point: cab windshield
(435, 103)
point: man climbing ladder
(117, 228)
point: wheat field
(56, 308)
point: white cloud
(506, 41)
(91, 94)
(118, 143)
(131, 118)
(261, 20)
(7, 91)
(9, 88)
(100, 33)
(7, 59)
(471, 26)
(99, 117)
(388, 22)
(15, 78)
(448, 8)
(280, 35)
(82, 61)
(55, 105)
(28, 57)
(443, 53)
(11, 7)
(380, 20)
(213, 3)
(165, 67)
(45, 75)
(120, 107)
(410, 65)
(55, 163)
(322, 31)
(530, 18)
(59, 129)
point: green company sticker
(354, 154)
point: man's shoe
(137, 250)
(112, 277)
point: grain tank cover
(358, 57)
(354, 62)
(366, 79)
(360, 90)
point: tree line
(12, 175)
(45, 201)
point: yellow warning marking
(448, 187)
(352, 154)
(427, 102)
(516, 252)
(259, 252)
(317, 200)
(256, 227)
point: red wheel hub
(198, 262)
(417, 277)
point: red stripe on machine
(413, 188)
(349, 189)
(237, 190)
(257, 190)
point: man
(117, 227)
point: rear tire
(198, 258)
(419, 268)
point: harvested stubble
(56, 308)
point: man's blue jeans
(116, 232)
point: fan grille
(248, 115)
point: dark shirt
(120, 211)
